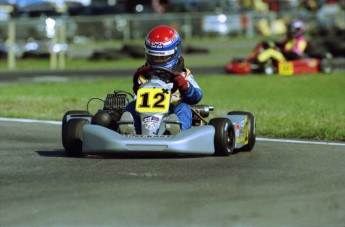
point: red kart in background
(290, 67)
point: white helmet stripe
(159, 53)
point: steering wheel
(160, 68)
(160, 72)
(152, 71)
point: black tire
(72, 138)
(326, 65)
(64, 119)
(224, 138)
(251, 130)
(269, 68)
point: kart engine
(199, 113)
(115, 103)
(114, 106)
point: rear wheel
(224, 138)
(251, 130)
(326, 65)
(72, 138)
(64, 119)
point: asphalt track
(277, 184)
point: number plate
(152, 100)
(285, 68)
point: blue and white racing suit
(180, 102)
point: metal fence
(124, 26)
(132, 26)
(18, 35)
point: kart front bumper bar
(197, 140)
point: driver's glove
(143, 69)
(180, 82)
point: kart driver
(163, 48)
(295, 44)
(290, 49)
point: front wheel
(224, 138)
(269, 68)
(251, 126)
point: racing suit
(294, 48)
(180, 100)
(290, 49)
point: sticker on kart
(241, 131)
(151, 122)
(152, 100)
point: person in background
(292, 48)
(163, 47)
(295, 44)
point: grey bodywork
(197, 140)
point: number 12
(158, 100)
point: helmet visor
(158, 57)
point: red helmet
(163, 47)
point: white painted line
(30, 121)
(257, 138)
(300, 141)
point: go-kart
(303, 65)
(221, 136)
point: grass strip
(299, 107)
